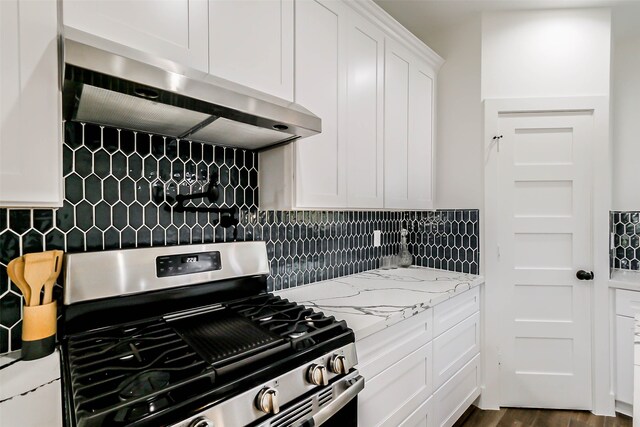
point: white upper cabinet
(251, 43)
(408, 130)
(365, 108)
(172, 29)
(30, 105)
(320, 85)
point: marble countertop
(30, 391)
(625, 279)
(377, 299)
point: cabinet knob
(317, 374)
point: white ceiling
(425, 18)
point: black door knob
(584, 275)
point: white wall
(626, 123)
(459, 118)
(547, 53)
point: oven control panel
(177, 265)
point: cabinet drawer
(627, 303)
(394, 394)
(456, 395)
(453, 349)
(421, 417)
(379, 351)
(453, 311)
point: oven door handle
(355, 386)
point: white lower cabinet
(419, 375)
(627, 305)
(456, 395)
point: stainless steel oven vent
(153, 95)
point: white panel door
(251, 43)
(30, 116)
(408, 130)
(365, 92)
(544, 192)
(320, 85)
(172, 29)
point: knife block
(38, 331)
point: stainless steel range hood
(168, 99)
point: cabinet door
(30, 126)
(452, 399)
(624, 359)
(394, 394)
(320, 85)
(365, 92)
(408, 133)
(421, 417)
(173, 29)
(251, 43)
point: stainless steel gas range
(189, 336)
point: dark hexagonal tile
(75, 241)
(54, 239)
(164, 169)
(119, 165)
(184, 235)
(150, 168)
(119, 215)
(171, 235)
(9, 246)
(157, 236)
(65, 216)
(67, 160)
(10, 309)
(184, 150)
(93, 189)
(83, 161)
(143, 191)
(92, 136)
(208, 153)
(135, 215)
(111, 190)
(110, 139)
(32, 241)
(101, 163)
(127, 141)
(196, 151)
(135, 166)
(229, 156)
(177, 170)
(94, 240)
(111, 238)
(143, 237)
(171, 149)
(73, 188)
(73, 134)
(20, 220)
(143, 144)
(102, 215)
(127, 190)
(157, 146)
(4, 219)
(128, 238)
(84, 216)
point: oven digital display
(176, 265)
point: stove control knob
(267, 400)
(201, 422)
(317, 374)
(338, 364)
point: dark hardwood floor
(517, 417)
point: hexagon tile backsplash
(120, 186)
(625, 253)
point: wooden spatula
(48, 286)
(37, 269)
(15, 270)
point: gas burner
(143, 384)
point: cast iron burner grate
(222, 337)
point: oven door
(333, 405)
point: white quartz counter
(377, 299)
(30, 391)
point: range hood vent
(108, 89)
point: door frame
(603, 398)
